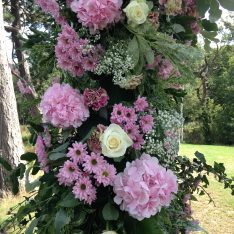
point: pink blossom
(97, 14)
(141, 104)
(95, 98)
(47, 137)
(138, 142)
(63, 106)
(195, 27)
(106, 175)
(146, 123)
(118, 114)
(165, 69)
(78, 152)
(23, 88)
(130, 115)
(84, 190)
(68, 173)
(132, 130)
(144, 187)
(74, 54)
(93, 163)
(41, 154)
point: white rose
(109, 232)
(137, 12)
(115, 141)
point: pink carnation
(97, 14)
(84, 190)
(144, 187)
(141, 104)
(68, 173)
(77, 152)
(63, 106)
(146, 123)
(41, 153)
(95, 98)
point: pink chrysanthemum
(95, 98)
(93, 163)
(97, 14)
(106, 175)
(84, 190)
(141, 104)
(146, 123)
(132, 130)
(68, 173)
(63, 106)
(78, 152)
(118, 114)
(138, 142)
(144, 187)
(41, 154)
(130, 115)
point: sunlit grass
(217, 219)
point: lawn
(218, 219)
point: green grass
(217, 219)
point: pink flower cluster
(63, 106)
(165, 68)
(97, 14)
(82, 169)
(195, 27)
(23, 88)
(74, 54)
(95, 98)
(191, 8)
(41, 153)
(52, 7)
(135, 121)
(144, 187)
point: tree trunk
(11, 145)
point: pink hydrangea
(84, 190)
(52, 7)
(93, 163)
(78, 152)
(63, 106)
(68, 173)
(97, 14)
(141, 104)
(95, 98)
(41, 154)
(74, 54)
(144, 187)
(106, 175)
(146, 123)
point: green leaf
(61, 148)
(214, 12)
(149, 226)
(208, 26)
(202, 6)
(146, 49)
(5, 164)
(56, 156)
(69, 201)
(227, 4)
(61, 220)
(200, 156)
(177, 28)
(133, 50)
(28, 157)
(14, 182)
(109, 212)
(22, 170)
(31, 227)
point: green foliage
(5, 164)
(109, 212)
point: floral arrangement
(108, 139)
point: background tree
(11, 145)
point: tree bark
(11, 145)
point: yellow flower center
(113, 142)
